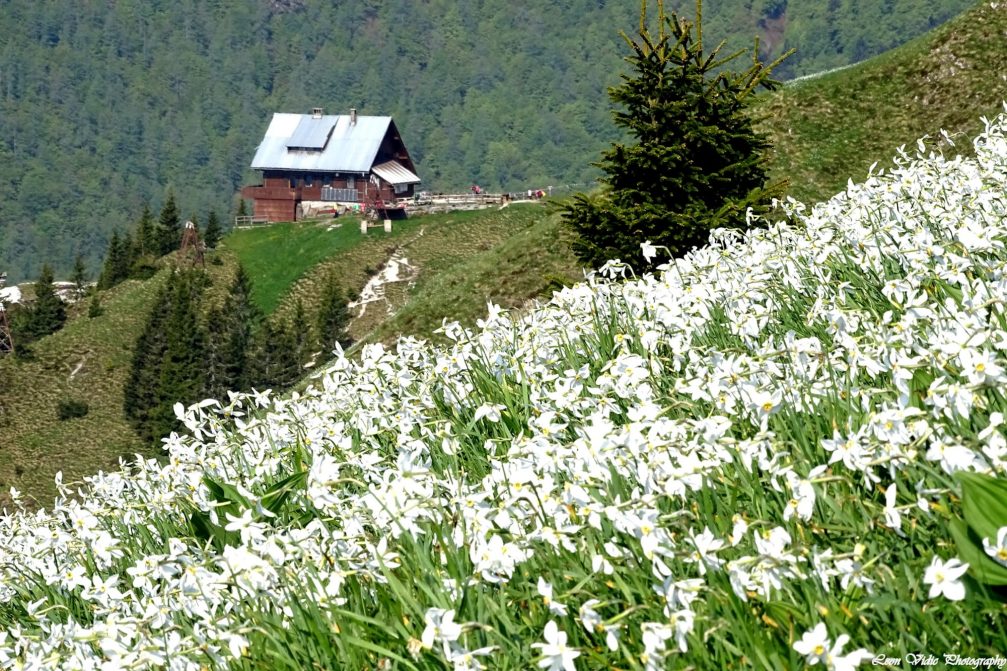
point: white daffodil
(545, 591)
(556, 654)
(440, 627)
(997, 551)
(944, 578)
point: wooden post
(363, 226)
(388, 225)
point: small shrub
(95, 309)
(71, 409)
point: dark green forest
(105, 106)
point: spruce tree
(333, 316)
(48, 312)
(143, 241)
(274, 364)
(128, 254)
(141, 393)
(182, 375)
(695, 161)
(143, 251)
(229, 339)
(79, 277)
(212, 234)
(168, 234)
(116, 267)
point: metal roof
(350, 148)
(394, 172)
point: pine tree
(333, 316)
(95, 309)
(48, 313)
(212, 235)
(144, 245)
(168, 234)
(140, 395)
(182, 375)
(168, 360)
(274, 364)
(229, 339)
(128, 254)
(116, 267)
(143, 241)
(696, 162)
(79, 277)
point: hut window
(351, 182)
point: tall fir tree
(274, 364)
(168, 360)
(182, 375)
(229, 339)
(79, 277)
(48, 313)
(140, 395)
(695, 162)
(143, 241)
(333, 316)
(212, 234)
(168, 234)
(116, 266)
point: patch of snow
(397, 269)
(10, 295)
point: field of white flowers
(767, 456)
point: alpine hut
(322, 162)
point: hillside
(456, 263)
(783, 452)
(502, 94)
(828, 129)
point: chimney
(353, 116)
(316, 112)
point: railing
(240, 222)
(331, 193)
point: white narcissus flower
(816, 647)
(814, 644)
(556, 654)
(649, 251)
(545, 591)
(893, 518)
(441, 627)
(997, 551)
(944, 578)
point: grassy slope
(831, 128)
(463, 259)
(34, 444)
(525, 266)
(277, 256)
